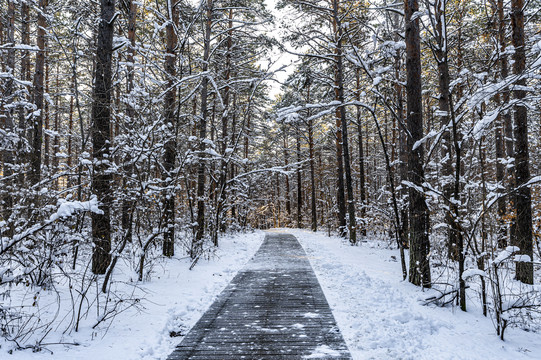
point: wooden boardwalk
(273, 309)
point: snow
(381, 317)
(174, 299)
(323, 350)
(430, 135)
(536, 47)
(68, 208)
(25, 47)
(522, 258)
(482, 125)
(468, 273)
(534, 180)
(505, 254)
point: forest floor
(380, 316)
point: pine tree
(523, 199)
(419, 271)
(101, 138)
(170, 120)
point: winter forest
(145, 147)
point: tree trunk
(524, 270)
(311, 154)
(362, 182)
(440, 53)
(22, 154)
(402, 154)
(498, 136)
(341, 198)
(224, 138)
(248, 132)
(37, 132)
(169, 174)
(342, 136)
(299, 182)
(451, 191)
(56, 138)
(128, 203)
(7, 115)
(500, 177)
(480, 252)
(197, 246)
(288, 189)
(403, 169)
(47, 125)
(507, 120)
(70, 141)
(419, 273)
(101, 118)
(504, 134)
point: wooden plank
(273, 309)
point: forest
(133, 131)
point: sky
(278, 57)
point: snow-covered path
(274, 309)
(381, 316)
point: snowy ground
(176, 298)
(379, 315)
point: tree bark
(37, 132)
(311, 154)
(224, 137)
(22, 154)
(170, 144)
(402, 155)
(440, 52)
(198, 241)
(288, 188)
(507, 120)
(498, 134)
(500, 177)
(46, 137)
(523, 200)
(101, 118)
(362, 182)
(504, 136)
(419, 272)
(70, 137)
(277, 211)
(342, 136)
(128, 203)
(56, 125)
(299, 182)
(7, 115)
